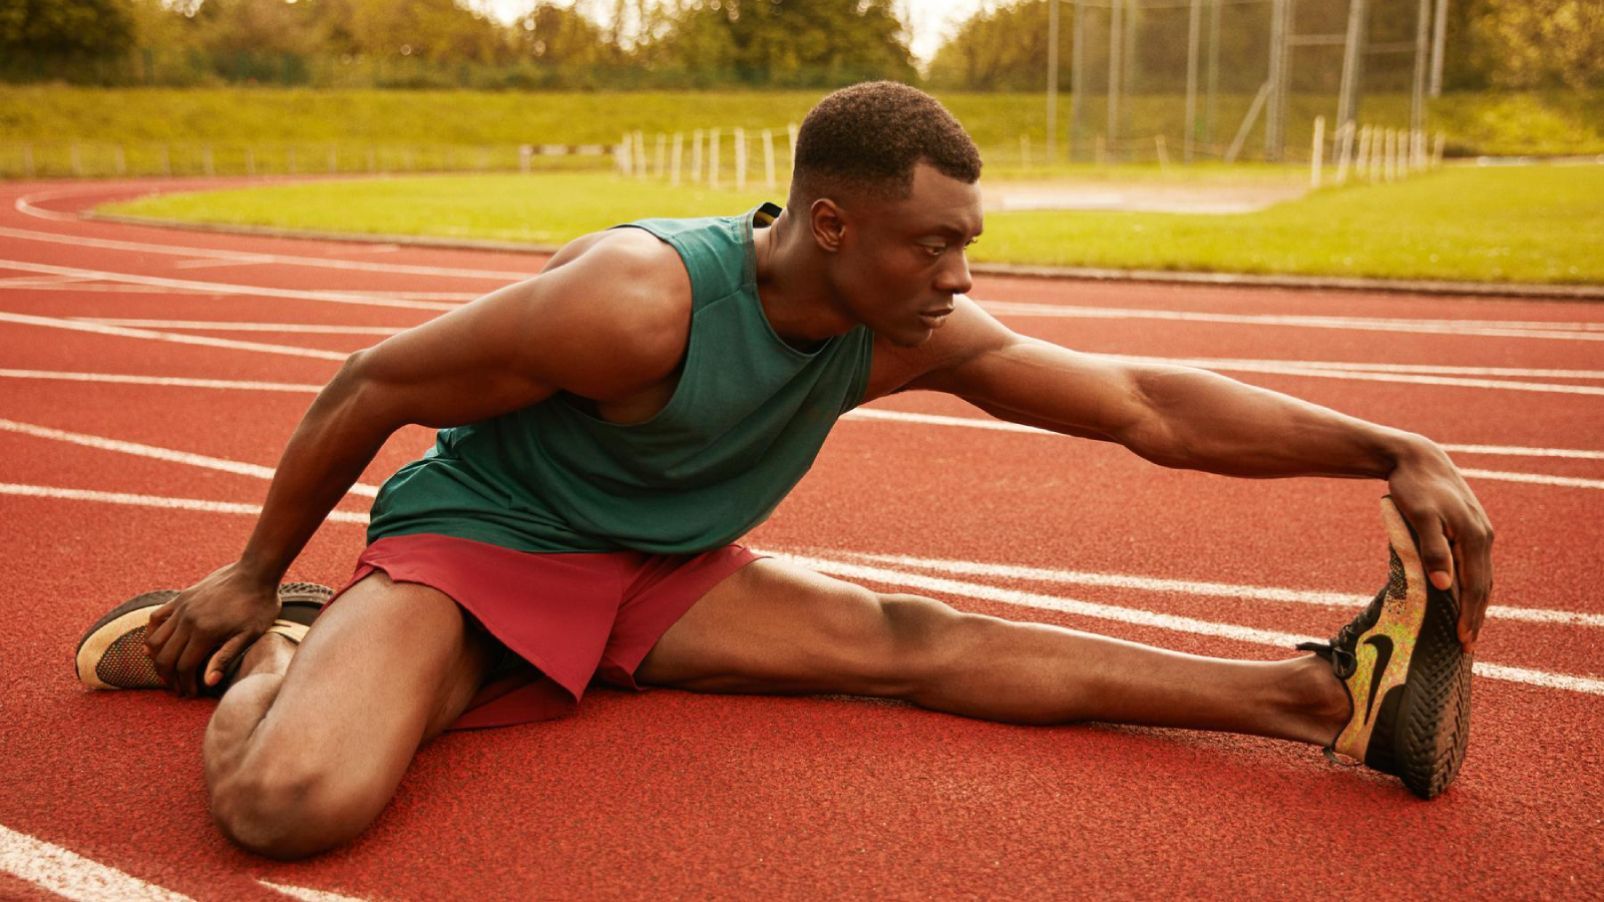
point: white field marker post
(712, 158)
(622, 156)
(740, 159)
(1392, 155)
(696, 155)
(1163, 151)
(660, 159)
(1344, 152)
(1317, 152)
(526, 155)
(768, 158)
(676, 157)
(790, 136)
(1361, 162)
(640, 155)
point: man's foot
(112, 655)
(1406, 674)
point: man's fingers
(160, 627)
(1436, 554)
(1475, 585)
(189, 662)
(224, 655)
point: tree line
(746, 43)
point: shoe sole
(111, 654)
(1429, 710)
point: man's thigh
(386, 666)
(773, 627)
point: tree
(1539, 43)
(61, 28)
(787, 43)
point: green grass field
(56, 130)
(1505, 224)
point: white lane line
(80, 286)
(307, 895)
(24, 205)
(227, 257)
(66, 873)
(229, 288)
(930, 419)
(228, 326)
(157, 501)
(1560, 331)
(1411, 368)
(176, 381)
(176, 338)
(1534, 478)
(1323, 598)
(1522, 451)
(1369, 376)
(1138, 617)
(151, 451)
(216, 264)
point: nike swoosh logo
(1383, 647)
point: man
(611, 426)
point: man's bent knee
(292, 807)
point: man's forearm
(1204, 421)
(334, 442)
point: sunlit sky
(930, 20)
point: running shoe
(1406, 674)
(112, 654)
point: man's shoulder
(624, 294)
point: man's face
(901, 261)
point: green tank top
(744, 423)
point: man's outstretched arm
(1191, 418)
(505, 351)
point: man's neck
(791, 286)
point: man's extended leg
(305, 750)
(777, 628)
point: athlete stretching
(610, 426)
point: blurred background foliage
(680, 44)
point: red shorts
(573, 617)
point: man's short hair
(866, 139)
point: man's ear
(826, 220)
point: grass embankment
(1528, 224)
(147, 131)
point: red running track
(125, 442)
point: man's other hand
(213, 621)
(1456, 540)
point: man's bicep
(1038, 383)
(454, 369)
